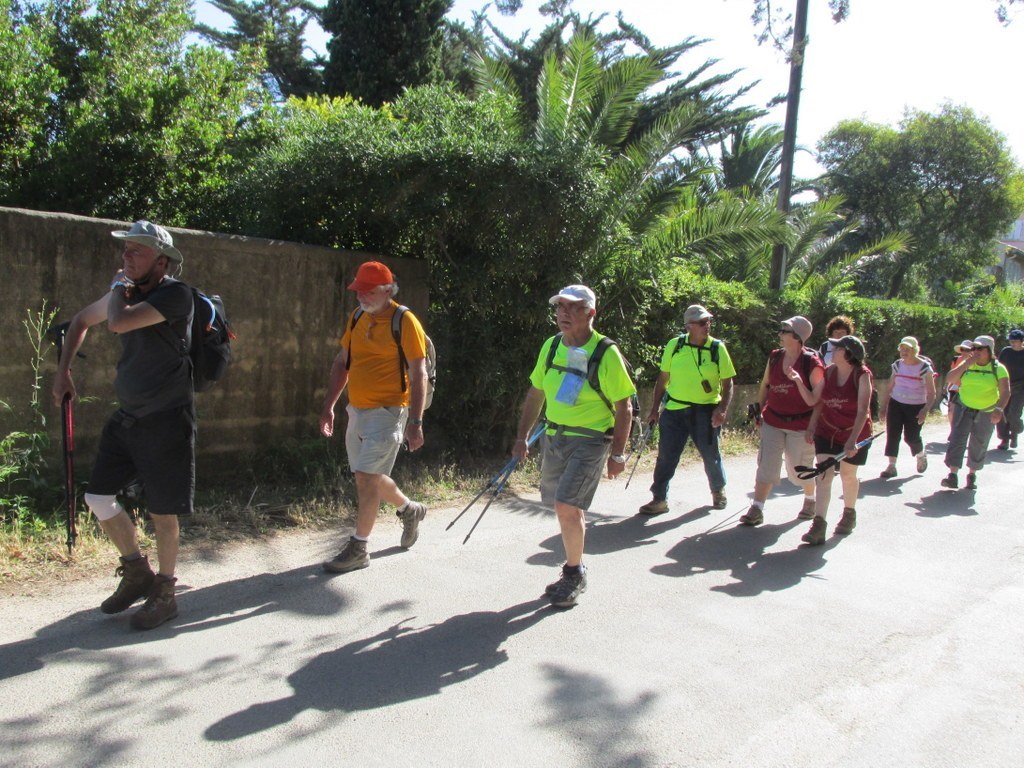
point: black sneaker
(950, 481)
(564, 592)
(972, 481)
(1004, 445)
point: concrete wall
(286, 301)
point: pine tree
(279, 27)
(379, 47)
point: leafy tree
(379, 47)
(776, 24)
(948, 180)
(136, 123)
(26, 80)
(278, 27)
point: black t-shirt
(153, 373)
(1014, 362)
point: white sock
(357, 537)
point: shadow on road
(401, 663)
(740, 550)
(301, 591)
(945, 503)
(877, 486)
(606, 535)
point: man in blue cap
(1012, 357)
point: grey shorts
(373, 438)
(572, 468)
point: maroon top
(784, 407)
(839, 406)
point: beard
(373, 307)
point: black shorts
(824, 445)
(157, 450)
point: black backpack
(212, 335)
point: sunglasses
(705, 321)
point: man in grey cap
(151, 437)
(696, 384)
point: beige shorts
(777, 444)
(373, 438)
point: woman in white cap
(984, 392)
(790, 388)
(841, 420)
(911, 394)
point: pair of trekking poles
(57, 335)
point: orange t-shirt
(373, 373)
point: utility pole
(796, 68)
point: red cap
(371, 275)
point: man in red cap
(387, 384)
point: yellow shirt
(374, 374)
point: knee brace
(104, 507)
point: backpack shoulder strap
(681, 340)
(715, 345)
(551, 351)
(351, 327)
(594, 364)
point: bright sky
(889, 55)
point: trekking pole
(58, 332)
(645, 436)
(809, 473)
(497, 483)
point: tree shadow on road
(607, 534)
(740, 550)
(946, 503)
(300, 591)
(402, 663)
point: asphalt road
(699, 643)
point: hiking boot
(847, 522)
(754, 516)
(888, 472)
(1003, 445)
(654, 507)
(922, 463)
(159, 607)
(414, 512)
(950, 481)
(718, 499)
(1013, 441)
(807, 510)
(351, 558)
(816, 534)
(972, 481)
(563, 593)
(136, 580)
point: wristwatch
(416, 422)
(618, 458)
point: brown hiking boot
(718, 499)
(136, 580)
(847, 522)
(414, 512)
(159, 607)
(351, 558)
(816, 535)
(654, 507)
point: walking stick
(496, 484)
(58, 332)
(645, 436)
(809, 473)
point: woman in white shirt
(911, 394)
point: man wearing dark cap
(151, 438)
(387, 386)
(1012, 357)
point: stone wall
(286, 301)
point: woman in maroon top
(790, 387)
(840, 420)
